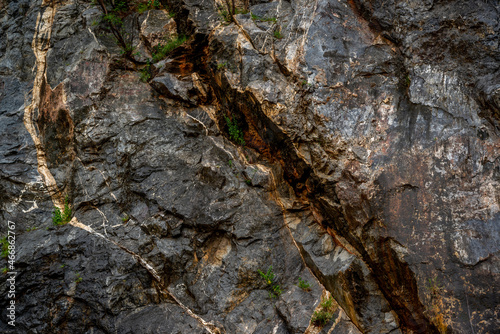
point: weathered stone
(370, 167)
(157, 27)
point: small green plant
(142, 8)
(226, 16)
(321, 318)
(63, 265)
(324, 314)
(120, 5)
(275, 292)
(262, 19)
(221, 65)
(78, 278)
(33, 228)
(112, 19)
(4, 246)
(160, 51)
(113, 13)
(145, 72)
(128, 49)
(434, 287)
(326, 304)
(240, 11)
(61, 218)
(407, 81)
(248, 181)
(269, 277)
(153, 4)
(5, 270)
(230, 163)
(235, 133)
(304, 285)
(277, 34)
(125, 218)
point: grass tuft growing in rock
(235, 133)
(161, 50)
(321, 317)
(61, 218)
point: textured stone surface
(370, 167)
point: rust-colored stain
(52, 103)
(252, 136)
(55, 124)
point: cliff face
(352, 144)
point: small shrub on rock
(61, 218)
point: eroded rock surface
(353, 144)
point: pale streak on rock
(40, 46)
(33, 207)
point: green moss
(321, 318)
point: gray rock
(370, 167)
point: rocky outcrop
(352, 144)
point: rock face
(351, 143)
